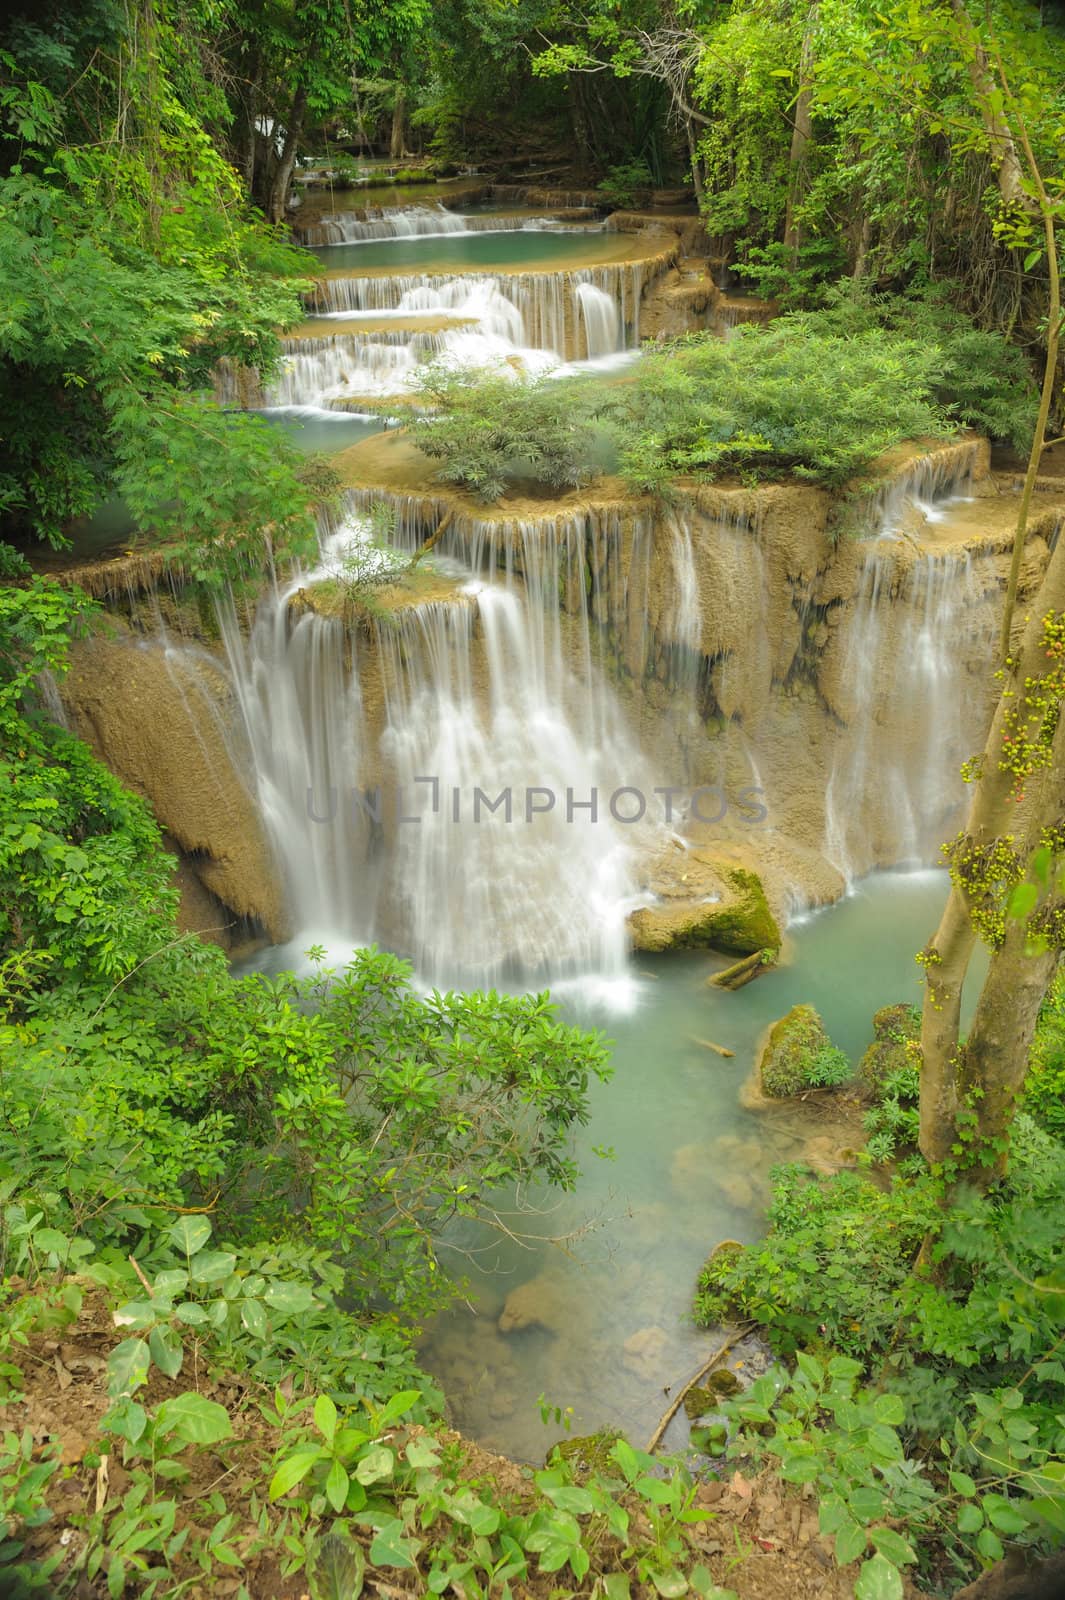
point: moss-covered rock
(740, 923)
(589, 1454)
(895, 1047)
(798, 1055)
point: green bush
(978, 377)
(774, 401)
(626, 185)
(492, 427)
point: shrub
(978, 377)
(626, 185)
(771, 401)
(492, 426)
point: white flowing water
(602, 321)
(912, 717)
(476, 830)
(419, 222)
(539, 307)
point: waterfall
(602, 324)
(490, 693)
(319, 369)
(539, 308)
(300, 702)
(912, 717)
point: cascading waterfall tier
(495, 736)
(424, 221)
(544, 310)
(319, 369)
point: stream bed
(602, 1324)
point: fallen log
(744, 971)
(708, 1044)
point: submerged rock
(540, 1302)
(895, 1046)
(792, 1056)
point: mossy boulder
(739, 923)
(589, 1454)
(895, 1047)
(799, 1055)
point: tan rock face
(161, 724)
(540, 1302)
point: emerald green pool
(536, 250)
(689, 1168)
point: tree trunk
(283, 175)
(398, 142)
(995, 1056)
(801, 134)
(1008, 170)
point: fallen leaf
(101, 1484)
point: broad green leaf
(336, 1486)
(189, 1312)
(890, 1409)
(397, 1407)
(127, 1367)
(191, 1233)
(851, 1541)
(325, 1417)
(288, 1299)
(293, 1470)
(165, 1347)
(375, 1465)
(616, 1586)
(811, 1368)
(878, 1580)
(670, 1585)
(211, 1266)
(989, 1545)
(704, 1586)
(891, 1544)
(970, 1518)
(253, 1316)
(337, 1568)
(194, 1419)
(391, 1547)
(962, 1484)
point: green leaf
(878, 1580)
(670, 1585)
(253, 1316)
(194, 1419)
(810, 1368)
(288, 1299)
(337, 1568)
(391, 1547)
(962, 1484)
(165, 1347)
(989, 1545)
(293, 1470)
(191, 1313)
(375, 1465)
(616, 1585)
(893, 1545)
(397, 1407)
(703, 1583)
(191, 1233)
(325, 1417)
(127, 1367)
(851, 1541)
(970, 1518)
(336, 1486)
(890, 1409)
(1032, 257)
(212, 1266)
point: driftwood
(742, 972)
(708, 1044)
(708, 1366)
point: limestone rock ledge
(159, 720)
